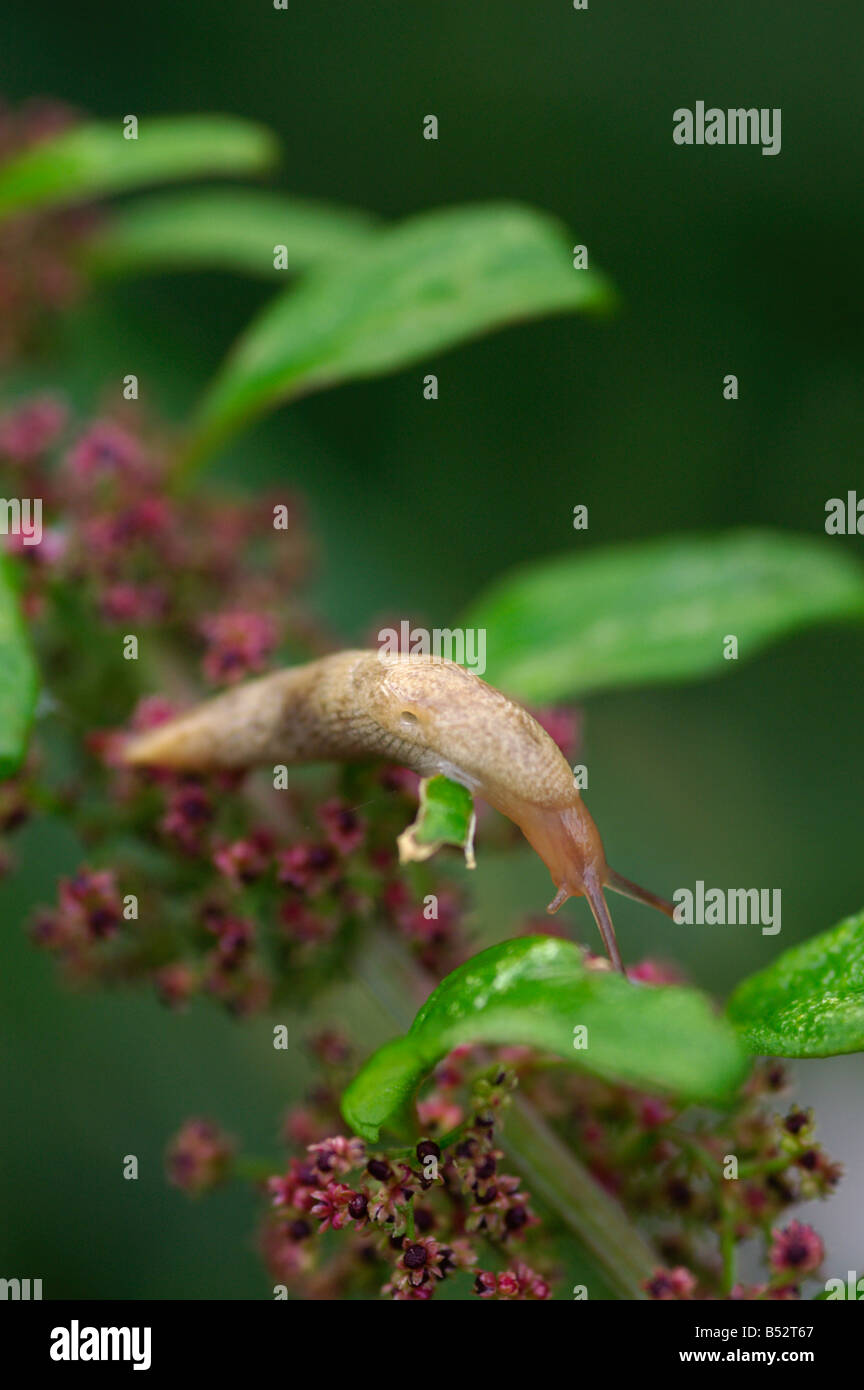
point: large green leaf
(17, 676)
(659, 611)
(810, 1001)
(535, 991)
(87, 161)
(408, 293)
(225, 229)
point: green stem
(554, 1172)
(728, 1251)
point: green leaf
(658, 611)
(18, 682)
(413, 290)
(535, 991)
(88, 161)
(445, 817)
(810, 1001)
(225, 229)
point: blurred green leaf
(445, 817)
(90, 160)
(18, 681)
(407, 293)
(535, 991)
(225, 229)
(657, 611)
(810, 1001)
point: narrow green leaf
(445, 817)
(18, 683)
(535, 991)
(224, 229)
(659, 611)
(415, 289)
(88, 161)
(810, 1001)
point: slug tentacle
(425, 713)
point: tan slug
(421, 712)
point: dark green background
(727, 261)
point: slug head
(568, 842)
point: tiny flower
(296, 1188)
(187, 817)
(797, 1249)
(798, 1122)
(235, 936)
(330, 1047)
(106, 451)
(239, 645)
(303, 924)
(821, 1174)
(123, 603)
(669, 1284)
(175, 984)
(199, 1157)
(306, 867)
(286, 1249)
(245, 860)
(653, 972)
(421, 1260)
(388, 1204)
(91, 901)
(28, 431)
(653, 1113)
(337, 1155)
(331, 1205)
(520, 1282)
(438, 1112)
(343, 827)
(151, 711)
(427, 1148)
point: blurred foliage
(413, 289)
(658, 611)
(223, 229)
(88, 161)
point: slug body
(422, 712)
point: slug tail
(618, 884)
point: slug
(422, 712)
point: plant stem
(728, 1250)
(554, 1172)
